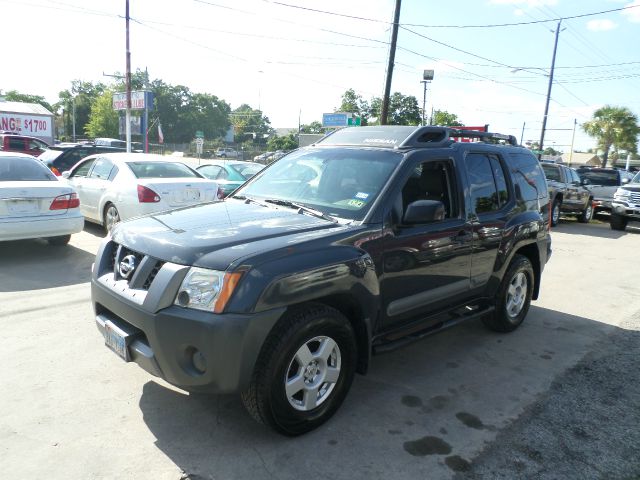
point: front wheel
(513, 297)
(304, 371)
(587, 214)
(617, 222)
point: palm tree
(613, 127)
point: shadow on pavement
(594, 229)
(94, 229)
(36, 265)
(424, 411)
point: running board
(410, 338)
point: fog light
(198, 361)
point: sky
(293, 59)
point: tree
(83, 95)
(442, 117)
(615, 127)
(249, 123)
(354, 103)
(403, 109)
(313, 127)
(288, 142)
(15, 96)
(103, 119)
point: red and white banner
(34, 125)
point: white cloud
(633, 14)
(601, 25)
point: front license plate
(116, 341)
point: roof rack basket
(444, 136)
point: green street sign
(199, 134)
(354, 122)
(537, 152)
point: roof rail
(444, 136)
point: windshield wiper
(301, 208)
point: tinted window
(528, 176)
(161, 170)
(71, 158)
(24, 169)
(482, 186)
(552, 172)
(501, 181)
(50, 154)
(16, 143)
(601, 177)
(431, 181)
(102, 169)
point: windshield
(604, 178)
(50, 154)
(162, 170)
(247, 170)
(552, 173)
(636, 179)
(340, 182)
(24, 170)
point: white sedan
(34, 203)
(117, 186)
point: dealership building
(30, 119)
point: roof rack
(410, 137)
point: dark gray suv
(371, 238)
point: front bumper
(626, 209)
(191, 349)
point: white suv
(227, 152)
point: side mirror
(66, 174)
(625, 181)
(585, 181)
(424, 211)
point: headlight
(207, 290)
(622, 193)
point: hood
(232, 229)
(632, 187)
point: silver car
(118, 186)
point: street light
(427, 76)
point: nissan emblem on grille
(127, 266)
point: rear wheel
(618, 222)
(304, 371)
(513, 297)
(111, 217)
(555, 212)
(587, 214)
(59, 241)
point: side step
(456, 318)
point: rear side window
(16, 143)
(528, 176)
(161, 170)
(487, 184)
(607, 178)
(14, 169)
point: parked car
(63, 156)
(14, 142)
(117, 186)
(626, 204)
(262, 158)
(285, 289)
(569, 194)
(277, 155)
(603, 184)
(229, 174)
(226, 152)
(33, 203)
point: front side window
(341, 182)
(552, 172)
(22, 169)
(431, 181)
(83, 169)
(102, 169)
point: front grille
(635, 197)
(145, 267)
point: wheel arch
(531, 252)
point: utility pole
(573, 137)
(128, 74)
(522, 134)
(546, 107)
(392, 56)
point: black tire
(510, 310)
(587, 214)
(267, 400)
(111, 217)
(555, 212)
(617, 222)
(59, 241)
